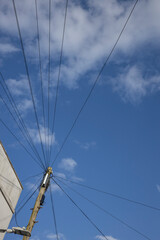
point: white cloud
(90, 32)
(18, 87)
(44, 132)
(61, 175)
(68, 164)
(132, 85)
(55, 187)
(158, 187)
(35, 238)
(77, 179)
(31, 186)
(103, 238)
(86, 145)
(24, 105)
(54, 236)
(6, 48)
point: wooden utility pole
(38, 203)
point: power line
(107, 212)
(54, 215)
(21, 207)
(20, 142)
(28, 77)
(94, 84)
(36, 175)
(40, 69)
(110, 194)
(49, 71)
(16, 111)
(9, 182)
(58, 80)
(84, 214)
(30, 196)
(16, 122)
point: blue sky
(114, 146)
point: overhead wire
(26, 133)
(58, 79)
(6, 180)
(29, 81)
(107, 212)
(109, 193)
(49, 71)
(54, 215)
(16, 122)
(95, 83)
(10, 131)
(40, 69)
(83, 213)
(33, 176)
(21, 206)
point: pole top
(49, 170)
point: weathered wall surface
(10, 190)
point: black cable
(84, 214)
(13, 105)
(17, 123)
(16, 219)
(54, 215)
(29, 81)
(32, 188)
(9, 182)
(22, 206)
(94, 84)
(20, 142)
(40, 69)
(110, 194)
(49, 71)
(32, 177)
(107, 212)
(58, 80)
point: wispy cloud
(71, 176)
(132, 85)
(35, 238)
(86, 145)
(86, 49)
(31, 186)
(55, 187)
(54, 236)
(100, 237)
(77, 179)
(25, 105)
(59, 174)
(18, 87)
(6, 48)
(158, 187)
(67, 164)
(44, 132)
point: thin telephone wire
(58, 80)
(40, 69)
(13, 104)
(29, 81)
(109, 193)
(94, 84)
(54, 215)
(84, 214)
(20, 143)
(107, 212)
